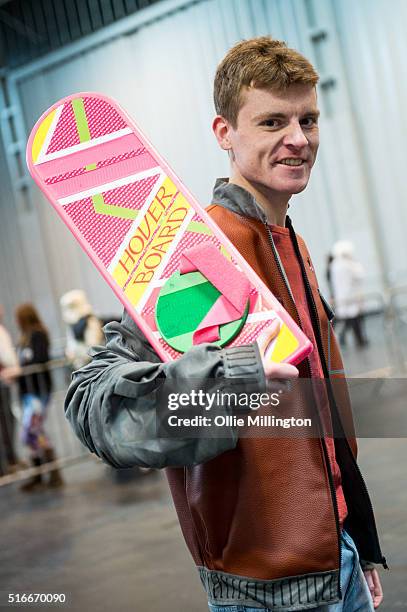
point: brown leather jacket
(261, 520)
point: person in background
(84, 329)
(35, 390)
(347, 276)
(8, 369)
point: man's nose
(295, 136)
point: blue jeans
(355, 592)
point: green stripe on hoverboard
(101, 207)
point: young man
(272, 523)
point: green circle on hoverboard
(183, 303)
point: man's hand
(274, 371)
(375, 587)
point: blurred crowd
(26, 366)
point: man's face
(276, 139)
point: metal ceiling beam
(122, 27)
(19, 27)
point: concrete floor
(111, 546)
(107, 546)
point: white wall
(373, 43)
(162, 74)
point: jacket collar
(237, 199)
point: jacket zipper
(327, 377)
(322, 439)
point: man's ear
(221, 129)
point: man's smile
(291, 161)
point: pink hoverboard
(176, 273)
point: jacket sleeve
(113, 403)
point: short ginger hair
(262, 62)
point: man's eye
(270, 123)
(309, 121)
